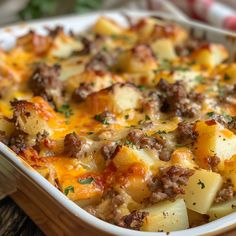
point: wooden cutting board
(14, 221)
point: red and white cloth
(217, 13)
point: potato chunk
(29, 118)
(213, 139)
(210, 55)
(64, 45)
(164, 49)
(127, 156)
(201, 190)
(222, 209)
(117, 99)
(137, 60)
(105, 26)
(6, 126)
(166, 216)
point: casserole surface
(65, 117)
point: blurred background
(219, 13)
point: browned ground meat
(140, 140)
(168, 183)
(19, 108)
(108, 150)
(174, 98)
(40, 137)
(226, 193)
(45, 83)
(186, 132)
(18, 141)
(3, 137)
(87, 46)
(105, 118)
(196, 97)
(81, 92)
(134, 220)
(213, 162)
(189, 46)
(100, 62)
(73, 145)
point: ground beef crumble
(81, 92)
(213, 162)
(45, 83)
(105, 118)
(174, 98)
(108, 150)
(3, 137)
(74, 146)
(140, 140)
(101, 61)
(134, 220)
(168, 183)
(226, 193)
(18, 141)
(186, 132)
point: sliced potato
(222, 209)
(213, 139)
(6, 126)
(210, 55)
(164, 49)
(106, 26)
(137, 60)
(64, 45)
(117, 99)
(166, 216)
(201, 190)
(127, 156)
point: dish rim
(218, 226)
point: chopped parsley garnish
(69, 189)
(227, 117)
(160, 132)
(180, 68)
(147, 117)
(199, 79)
(88, 180)
(141, 87)
(90, 132)
(179, 145)
(128, 143)
(126, 117)
(101, 119)
(227, 77)
(210, 114)
(202, 185)
(66, 110)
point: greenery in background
(42, 8)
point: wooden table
(13, 221)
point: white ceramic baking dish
(50, 208)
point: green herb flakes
(147, 117)
(101, 119)
(227, 77)
(69, 189)
(202, 185)
(210, 114)
(66, 110)
(199, 79)
(88, 180)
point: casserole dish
(65, 215)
